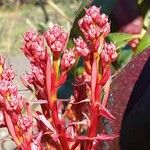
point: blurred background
(18, 16)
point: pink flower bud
(34, 47)
(38, 75)
(56, 39)
(25, 123)
(94, 12)
(8, 73)
(94, 24)
(81, 47)
(9, 97)
(108, 54)
(68, 60)
(15, 104)
(30, 36)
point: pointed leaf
(40, 101)
(10, 127)
(120, 39)
(25, 83)
(44, 120)
(99, 137)
(144, 43)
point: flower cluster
(68, 60)
(61, 123)
(81, 47)
(33, 47)
(94, 24)
(109, 53)
(25, 123)
(56, 39)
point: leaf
(121, 39)
(11, 128)
(83, 5)
(105, 113)
(44, 120)
(39, 101)
(127, 88)
(140, 1)
(48, 79)
(144, 43)
(99, 137)
(124, 57)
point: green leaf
(144, 43)
(83, 5)
(121, 39)
(124, 57)
(140, 1)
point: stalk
(52, 99)
(94, 109)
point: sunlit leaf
(144, 43)
(120, 39)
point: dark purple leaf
(126, 89)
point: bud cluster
(56, 39)
(94, 24)
(60, 123)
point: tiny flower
(29, 78)
(108, 54)
(30, 36)
(25, 123)
(68, 60)
(8, 73)
(56, 39)
(81, 47)
(34, 47)
(93, 12)
(15, 103)
(9, 97)
(38, 75)
(7, 88)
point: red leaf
(106, 76)
(99, 137)
(105, 113)
(93, 79)
(11, 129)
(43, 119)
(62, 79)
(48, 79)
(25, 83)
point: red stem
(94, 109)
(52, 96)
